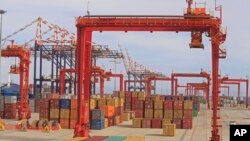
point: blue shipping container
(65, 103)
(97, 124)
(97, 114)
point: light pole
(115, 62)
(1, 22)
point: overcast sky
(164, 52)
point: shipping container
(156, 123)
(178, 105)
(168, 114)
(146, 123)
(178, 114)
(137, 123)
(169, 129)
(158, 113)
(149, 113)
(168, 105)
(178, 123)
(64, 103)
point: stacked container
(97, 119)
(10, 106)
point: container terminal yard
(82, 79)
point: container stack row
(8, 107)
(155, 111)
(112, 109)
(62, 110)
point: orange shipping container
(149, 113)
(54, 113)
(158, 113)
(109, 111)
(73, 103)
(112, 102)
(73, 114)
(101, 102)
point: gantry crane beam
(183, 86)
(204, 86)
(233, 83)
(135, 81)
(24, 56)
(96, 71)
(88, 24)
(246, 81)
(120, 76)
(202, 74)
(159, 79)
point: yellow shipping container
(158, 113)
(126, 116)
(120, 102)
(134, 138)
(121, 94)
(149, 113)
(137, 123)
(166, 121)
(92, 103)
(188, 105)
(64, 113)
(106, 124)
(101, 102)
(54, 113)
(117, 120)
(168, 129)
(178, 114)
(168, 114)
(112, 102)
(141, 95)
(158, 104)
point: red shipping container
(156, 123)
(134, 99)
(187, 113)
(73, 114)
(128, 94)
(128, 100)
(10, 107)
(137, 105)
(139, 114)
(54, 104)
(10, 114)
(111, 121)
(168, 105)
(64, 123)
(187, 123)
(146, 123)
(127, 107)
(178, 105)
(119, 111)
(149, 104)
(73, 104)
(72, 123)
(175, 98)
(178, 123)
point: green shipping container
(195, 113)
(115, 138)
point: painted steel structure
(24, 56)
(189, 23)
(246, 81)
(120, 76)
(202, 74)
(238, 87)
(226, 87)
(150, 79)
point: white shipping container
(10, 99)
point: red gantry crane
(159, 79)
(202, 74)
(120, 76)
(246, 81)
(24, 56)
(195, 23)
